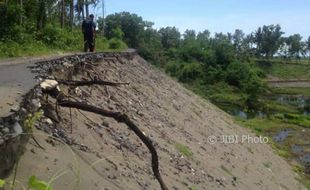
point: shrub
(184, 150)
(115, 43)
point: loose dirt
(104, 154)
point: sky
(219, 15)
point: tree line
(28, 18)
(44, 26)
(40, 12)
(197, 58)
(267, 41)
(203, 61)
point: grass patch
(305, 181)
(292, 91)
(193, 188)
(297, 119)
(184, 150)
(283, 153)
(32, 48)
(262, 126)
(287, 71)
(272, 106)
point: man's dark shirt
(88, 27)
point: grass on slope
(31, 48)
(292, 91)
(287, 71)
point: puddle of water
(305, 158)
(296, 149)
(301, 152)
(281, 136)
(300, 101)
(244, 115)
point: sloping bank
(81, 150)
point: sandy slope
(106, 155)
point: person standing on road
(89, 32)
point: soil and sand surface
(90, 152)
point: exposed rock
(15, 108)
(17, 129)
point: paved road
(16, 80)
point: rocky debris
(15, 108)
(181, 163)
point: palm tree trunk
(78, 5)
(87, 8)
(21, 14)
(83, 13)
(71, 13)
(62, 20)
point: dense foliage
(43, 26)
(203, 61)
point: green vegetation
(297, 119)
(40, 27)
(31, 120)
(291, 91)
(229, 69)
(184, 150)
(306, 183)
(2, 183)
(263, 126)
(193, 188)
(36, 184)
(287, 70)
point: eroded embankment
(12, 142)
(87, 151)
(14, 130)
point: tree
(224, 50)
(41, 14)
(308, 45)
(132, 25)
(204, 38)
(170, 37)
(268, 40)
(189, 35)
(63, 13)
(150, 46)
(238, 39)
(295, 45)
(71, 13)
